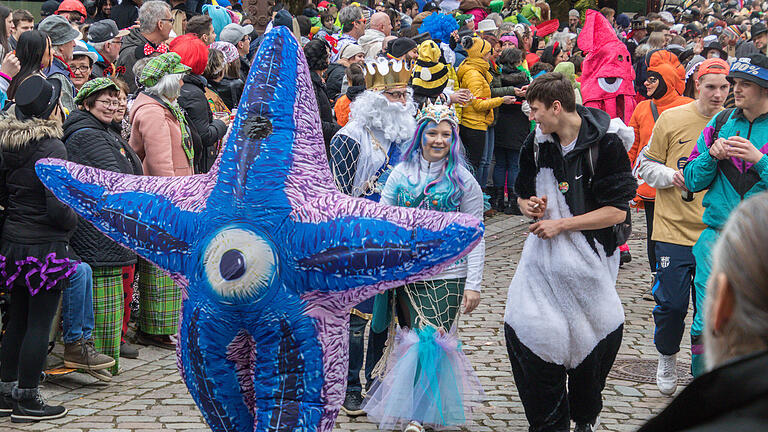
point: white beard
(394, 120)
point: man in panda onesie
(564, 319)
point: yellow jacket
(474, 75)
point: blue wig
(439, 26)
(450, 173)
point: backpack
(621, 230)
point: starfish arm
(288, 368)
(276, 128)
(366, 247)
(211, 358)
(151, 215)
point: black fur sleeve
(525, 185)
(613, 183)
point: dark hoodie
(192, 98)
(92, 143)
(611, 184)
(33, 215)
(512, 124)
(127, 57)
(334, 78)
(731, 398)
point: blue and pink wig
(455, 159)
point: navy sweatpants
(675, 270)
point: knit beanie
(476, 47)
(401, 46)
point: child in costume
(428, 380)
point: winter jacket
(324, 107)
(512, 126)
(672, 73)
(127, 57)
(245, 68)
(92, 143)
(194, 102)
(156, 138)
(341, 108)
(125, 14)
(732, 180)
(731, 398)
(474, 75)
(334, 78)
(467, 5)
(370, 42)
(497, 89)
(33, 215)
(229, 90)
(60, 71)
(611, 183)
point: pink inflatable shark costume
(607, 74)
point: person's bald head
(380, 21)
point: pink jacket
(156, 138)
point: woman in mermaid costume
(426, 380)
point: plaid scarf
(186, 140)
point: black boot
(512, 208)
(30, 407)
(6, 400)
(497, 198)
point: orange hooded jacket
(672, 72)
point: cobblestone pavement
(149, 394)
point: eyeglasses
(76, 69)
(397, 94)
(170, 20)
(109, 104)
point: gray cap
(59, 30)
(234, 33)
(83, 51)
(573, 13)
(104, 30)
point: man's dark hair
(22, 15)
(541, 66)
(407, 5)
(199, 25)
(355, 75)
(305, 25)
(552, 87)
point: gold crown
(383, 74)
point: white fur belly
(562, 300)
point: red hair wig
(193, 52)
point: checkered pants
(108, 311)
(159, 300)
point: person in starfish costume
(271, 257)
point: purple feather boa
(50, 270)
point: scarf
(186, 141)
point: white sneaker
(666, 374)
(414, 426)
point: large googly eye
(239, 263)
